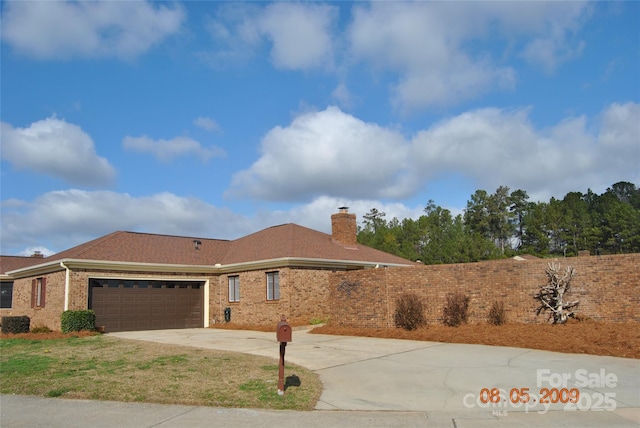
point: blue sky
(216, 119)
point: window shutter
(33, 293)
(44, 291)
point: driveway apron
(360, 373)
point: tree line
(504, 224)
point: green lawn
(108, 368)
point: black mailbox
(283, 331)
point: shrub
(78, 320)
(456, 310)
(317, 321)
(409, 312)
(497, 314)
(41, 329)
(584, 318)
(16, 324)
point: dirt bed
(617, 340)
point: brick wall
(304, 295)
(253, 307)
(608, 288)
(49, 315)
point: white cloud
(58, 149)
(555, 44)
(443, 54)
(167, 150)
(334, 154)
(63, 29)
(325, 153)
(620, 139)
(317, 213)
(343, 96)
(76, 216)
(206, 123)
(299, 34)
(495, 147)
(436, 53)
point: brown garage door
(127, 305)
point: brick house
(142, 281)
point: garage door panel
(113, 297)
(127, 309)
(158, 296)
(143, 298)
(127, 296)
(112, 311)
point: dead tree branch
(551, 296)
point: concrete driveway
(447, 381)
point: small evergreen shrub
(409, 312)
(78, 320)
(16, 325)
(497, 314)
(317, 321)
(41, 329)
(456, 309)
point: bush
(16, 324)
(456, 310)
(497, 314)
(78, 320)
(583, 318)
(317, 321)
(41, 329)
(409, 312)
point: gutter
(216, 269)
(66, 286)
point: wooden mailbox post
(283, 334)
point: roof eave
(108, 265)
(305, 262)
(57, 265)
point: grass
(108, 368)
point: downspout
(206, 303)
(66, 286)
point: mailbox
(283, 331)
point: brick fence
(608, 288)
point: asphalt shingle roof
(137, 247)
(9, 263)
(284, 241)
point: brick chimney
(343, 227)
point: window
(38, 292)
(273, 286)
(234, 288)
(143, 283)
(6, 294)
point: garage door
(128, 305)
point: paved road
(385, 382)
